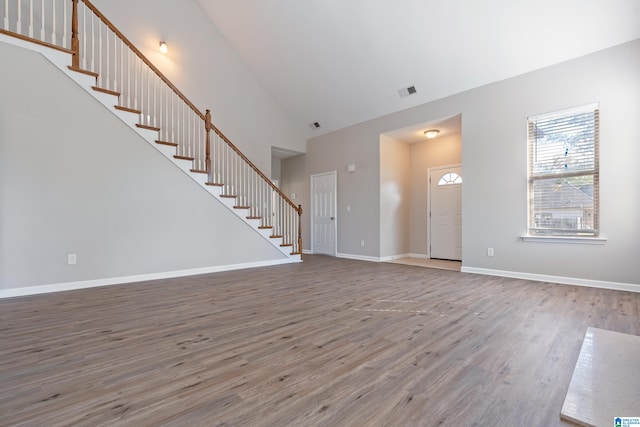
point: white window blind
(563, 172)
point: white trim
(392, 257)
(307, 251)
(631, 287)
(358, 257)
(571, 110)
(59, 287)
(565, 239)
(335, 214)
(420, 256)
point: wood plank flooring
(327, 342)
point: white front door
(323, 217)
(445, 224)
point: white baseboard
(59, 287)
(392, 257)
(358, 257)
(307, 251)
(631, 287)
(420, 256)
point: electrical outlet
(489, 251)
(72, 259)
(362, 243)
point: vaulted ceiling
(341, 62)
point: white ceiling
(341, 62)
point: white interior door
(323, 218)
(445, 218)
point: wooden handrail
(255, 168)
(75, 52)
(140, 55)
(36, 41)
(183, 97)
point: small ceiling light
(163, 47)
(431, 133)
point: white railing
(99, 47)
(123, 69)
(47, 21)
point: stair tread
(265, 227)
(83, 71)
(228, 196)
(127, 109)
(254, 217)
(276, 236)
(107, 91)
(148, 127)
(216, 184)
(286, 244)
(172, 144)
(242, 207)
(198, 171)
(183, 157)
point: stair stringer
(62, 59)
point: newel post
(300, 229)
(75, 42)
(207, 126)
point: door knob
(332, 218)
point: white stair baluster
(6, 15)
(53, 21)
(64, 24)
(135, 82)
(93, 44)
(129, 79)
(122, 47)
(147, 96)
(107, 65)
(31, 18)
(19, 22)
(42, 19)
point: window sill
(565, 239)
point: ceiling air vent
(406, 91)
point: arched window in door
(450, 178)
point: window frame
(536, 232)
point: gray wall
(494, 157)
(75, 179)
(360, 190)
(202, 64)
(394, 196)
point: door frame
(429, 170)
(335, 204)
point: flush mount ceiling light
(431, 133)
(163, 47)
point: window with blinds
(563, 172)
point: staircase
(83, 44)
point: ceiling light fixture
(163, 47)
(431, 133)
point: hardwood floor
(328, 342)
(429, 263)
